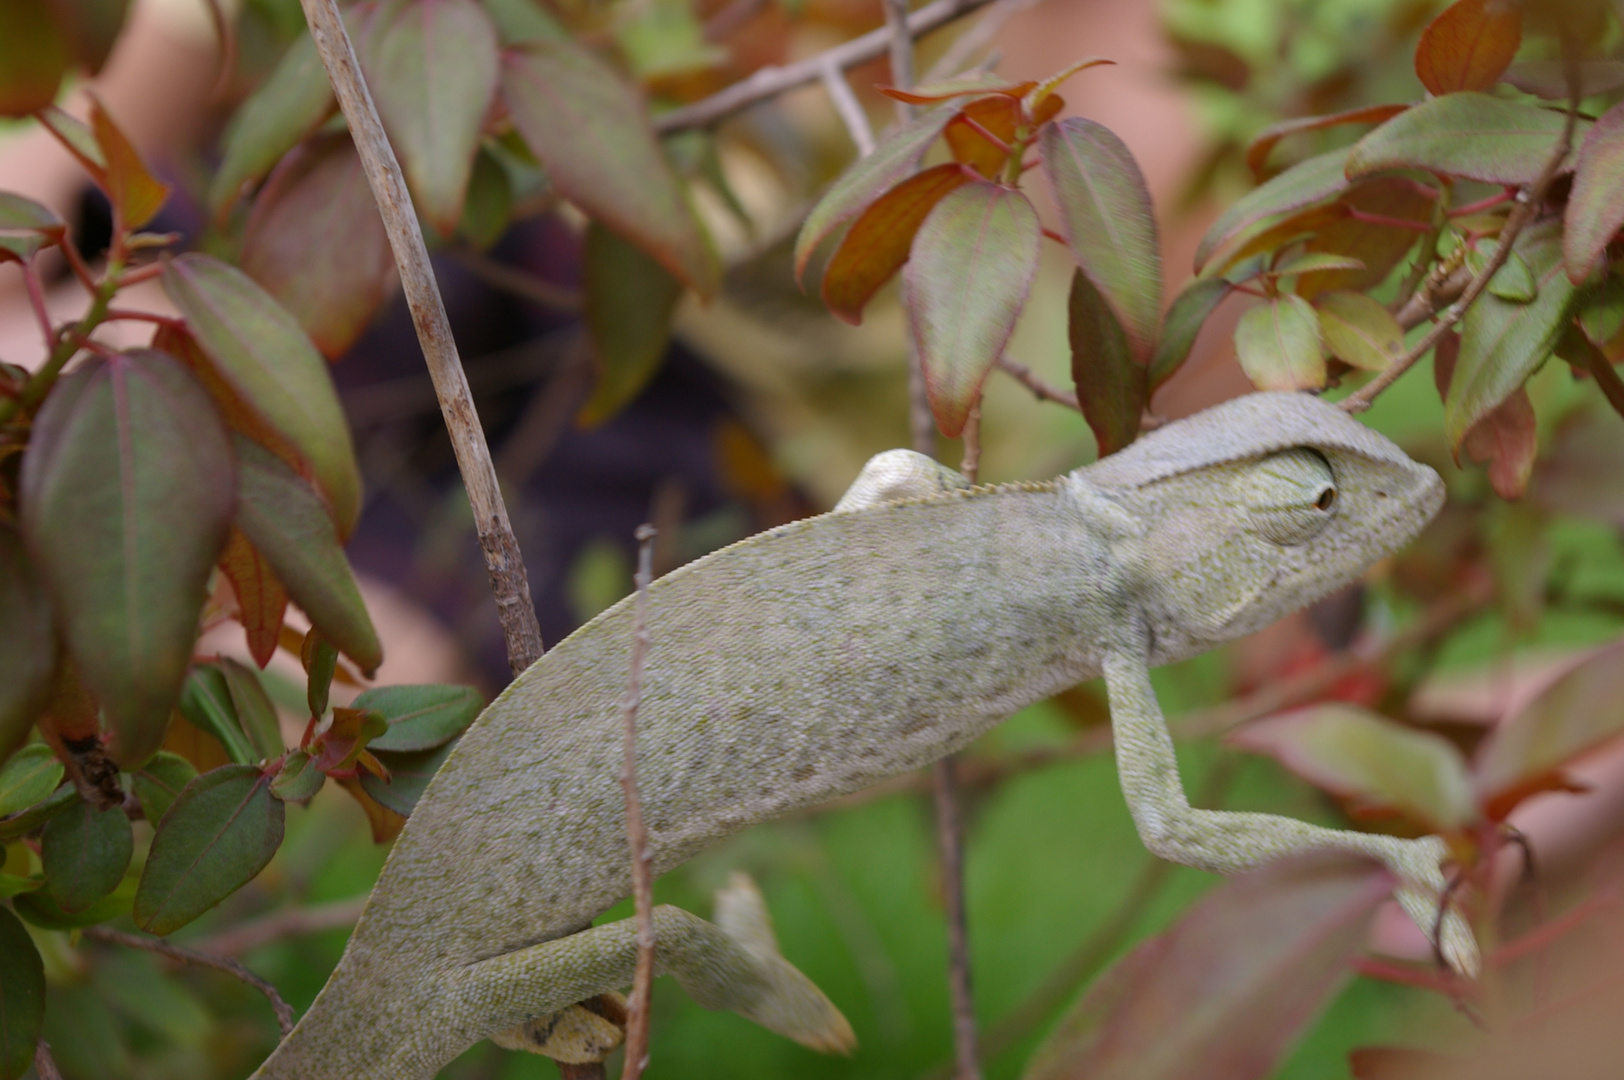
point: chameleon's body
(825, 655)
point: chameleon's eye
(1291, 495)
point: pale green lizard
(821, 656)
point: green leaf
(1111, 384)
(409, 774)
(1601, 311)
(1595, 212)
(1548, 79)
(206, 703)
(489, 205)
(1502, 343)
(26, 226)
(22, 997)
(135, 193)
(85, 852)
(421, 717)
(1184, 320)
(33, 57)
(1468, 46)
(1108, 222)
(1263, 144)
(316, 244)
(253, 707)
(590, 129)
(523, 22)
(266, 360)
(866, 179)
(26, 821)
(972, 266)
(1513, 281)
(44, 912)
(1378, 247)
(431, 67)
(286, 521)
(1230, 987)
(219, 834)
(630, 299)
(27, 646)
(1278, 343)
(1358, 754)
(1359, 331)
(1467, 135)
(1314, 262)
(1315, 180)
(320, 660)
(126, 497)
(27, 777)
(287, 107)
(91, 29)
(297, 779)
(159, 783)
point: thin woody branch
(284, 1012)
(636, 832)
(848, 108)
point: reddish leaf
(33, 57)
(27, 643)
(980, 135)
(126, 496)
(431, 66)
(91, 28)
(1298, 226)
(1183, 322)
(971, 82)
(878, 242)
(1595, 210)
(591, 132)
(1278, 343)
(76, 137)
(1549, 78)
(1111, 383)
(1467, 135)
(288, 106)
(1506, 440)
(316, 243)
(261, 600)
(386, 823)
(1469, 45)
(1223, 994)
(135, 194)
(630, 299)
(1258, 150)
(1106, 215)
(409, 774)
(25, 227)
(973, 264)
(350, 732)
(1359, 331)
(1040, 99)
(896, 156)
(1353, 232)
(1315, 180)
(1313, 262)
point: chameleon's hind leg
(732, 963)
(899, 474)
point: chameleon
(821, 656)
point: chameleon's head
(1257, 507)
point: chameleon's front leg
(1227, 842)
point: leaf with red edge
(980, 134)
(1548, 79)
(1184, 319)
(878, 243)
(33, 57)
(385, 823)
(630, 299)
(1468, 135)
(1469, 45)
(1359, 331)
(1355, 232)
(342, 743)
(135, 194)
(288, 106)
(1361, 755)
(1111, 383)
(76, 137)
(1279, 346)
(1263, 144)
(1506, 440)
(126, 498)
(261, 600)
(866, 179)
(972, 267)
(27, 642)
(316, 242)
(1595, 212)
(409, 775)
(590, 130)
(1315, 180)
(1039, 98)
(25, 227)
(1313, 262)
(1108, 222)
(970, 83)
(431, 66)
(1223, 994)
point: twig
(950, 845)
(44, 1063)
(503, 562)
(970, 464)
(515, 281)
(976, 38)
(850, 110)
(771, 81)
(902, 53)
(289, 922)
(284, 1012)
(636, 833)
(1040, 387)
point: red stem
(1056, 237)
(140, 274)
(146, 316)
(77, 264)
(36, 298)
(1484, 204)
(1390, 222)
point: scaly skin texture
(822, 656)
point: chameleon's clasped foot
(578, 1034)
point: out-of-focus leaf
(90, 27)
(630, 299)
(973, 264)
(27, 777)
(1379, 247)
(1512, 281)
(1359, 331)
(76, 137)
(346, 737)
(287, 107)
(26, 821)
(1223, 994)
(1601, 311)
(1358, 754)
(896, 156)
(879, 241)
(421, 717)
(521, 22)
(1262, 144)
(40, 909)
(1468, 46)
(1595, 211)
(206, 704)
(254, 710)
(1106, 216)
(22, 998)
(409, 774)
(261, 600)
(1469, 135)
(966, 85)
(33, 57)
(1278, 343)
(85, 852)
(590, 130)
(1039, 97)
(315, 242)
(1111, 383)
(1502, 343)
(159, 783)
(126, 497)
(269, 364)
(1183, 322)
(489, 204)
(286, 521)
(25, 227)
(1315, 180)
(431, 67)
(221, 832)
(297, 779)
(135, 193)
(386, 823)
(1315, 262)
(982, 133)
(1506, 440)
(320, 660)
(27, 645)
(1549, 78)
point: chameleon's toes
(1458, 945)
(1423, 892)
